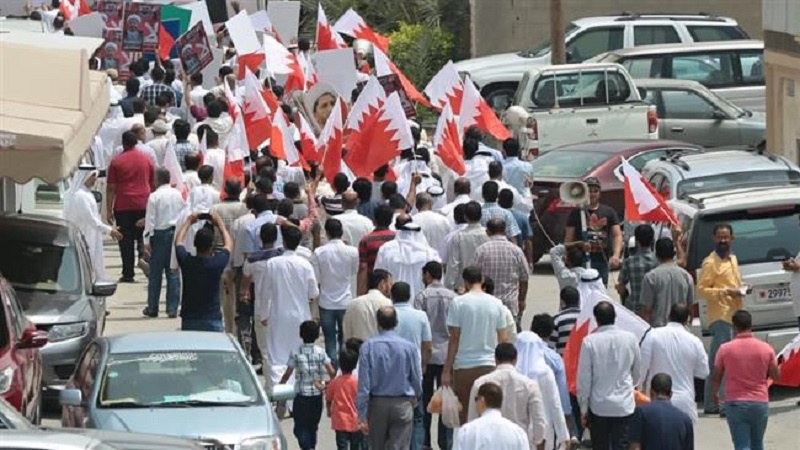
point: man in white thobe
(404, 256)
(354, 225)
(80, 208)
(675, 351)
(292, 286)
(214, 156)
(491, 430)
(435, 227)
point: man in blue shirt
(518, 173)
(659, 425)
(389, 383)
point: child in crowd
(313, 369)
(341, 399)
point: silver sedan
(688, 111)
(195, 385)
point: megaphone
(574, 193)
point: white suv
(497, 76)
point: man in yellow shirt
(720, 285)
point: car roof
(37, 228)
(736, 199)
(698, 165)
(169, 341)
(668, 83)
(618, 146)
(701, 18)
(745, 44)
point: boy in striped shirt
(565, 320)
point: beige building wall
(513, 25)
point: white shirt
(444, 248)
(523, 403)
(336, 265)
(608, 367)
(164, 208)
(450, 207)
(434, 226)
(191, 180)
(239, 233)
(404, 257)
(257, 272)
(492, 431)
(215, 157)
(202, 198)
(197, 94)
(359, 319)
(354, 226)
(673, 350)
(159, 146)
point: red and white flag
(261, 22)
(367, 105)
(447, 141)
(281, 143)
(591, 295)
(308, 141)
(330, 142)
(257, 114)
(385, 66)
(74, 8)
(642, 202)
(383, 136)
(446, 87)
(327, 38)
(281, 61)
(789, 364)
(353, 25)
(476, 112)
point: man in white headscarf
(404, 256)
(531, 363)
(80, 208)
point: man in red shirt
(129, 183)
(370, 243)
(746, 363)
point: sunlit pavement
(711, 433)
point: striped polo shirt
(369, 245)
(564, 322)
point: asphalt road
(783, 431)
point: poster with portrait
(112, 54)
(317, 104)
(111, 12)
(194, 50)
(140, 31)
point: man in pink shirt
(746, 363)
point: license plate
(774, 294)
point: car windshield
(766, 235)
(177, 379)
(544, 47)
(567, 163)
(732, 180)
(31, 266)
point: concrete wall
(513, 25)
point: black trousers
(434, 374)
(131, 239)
(609, 433)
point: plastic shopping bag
(450, 408)
(435, 405)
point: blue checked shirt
(150, 93)
(308, 363)
(491, 210)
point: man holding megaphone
(597, 226)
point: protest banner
(391, 83)
(141, 24)
(193, 49)
(111, 12)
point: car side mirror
(282, 393)
(104, 288)
(32, 338)
(70, 397)
(718, 115)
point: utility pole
(558, 51)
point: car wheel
(499, 95)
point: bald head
(350, 199)
(387, 318)
(462, 186)
(496, 226)
(140, 131)
(424, 202)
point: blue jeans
(161, 247)
(747, 422)
(202, 325)
(721, 333)
(307, 412)
(418, 431)
(600, 264)
(331, 321)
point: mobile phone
(204, 216)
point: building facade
(782, 74)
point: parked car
(675, 176)
(497, 76)
(601, 159)
(732, 69)
(689, 111)
(47, 262)
(91, 440)
(11, 419)
(573, 103)
(20, 361)
(187, 384)
(766, 225)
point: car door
(89, 277)
(83, 380)
(28, 359)
(689, 116)
(595, 41)
(655, 34)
